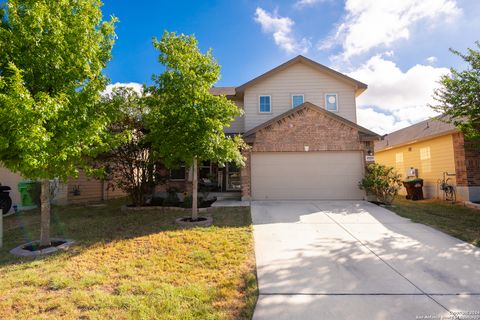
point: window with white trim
(205, 170)
(297, 99)
(264, 104)
(425, 153)
(331, 102)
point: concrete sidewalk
(355, 260)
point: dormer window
(331, 102)
(297, 99)
(264, 104)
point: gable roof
(359, 86)
(367, 135)
(424, 130)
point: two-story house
(300, 121)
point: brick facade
(305, 127)
(467, 161)
(245, 174)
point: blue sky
(398, 47)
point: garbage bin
(414, 189)
(24, 188)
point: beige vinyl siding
(91, 190)
(11, 179)
(431, 158)
(297, 79)
(238, 124)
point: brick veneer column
(459, 156)
(245, 176)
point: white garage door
(306, 175)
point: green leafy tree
(459, 94)
(131, 165)
(186, 120)
(51, 58)
(381, 181)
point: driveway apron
(355, 260)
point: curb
(158, 208)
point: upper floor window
(399, 157)
(297, 99)
(331, 102)
(425, 153)
(264, 104)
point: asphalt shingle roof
(223, 91)
(429, 128)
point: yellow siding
(431, 158)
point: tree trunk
(195, 190)
(45, 214)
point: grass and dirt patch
(453, 219)
(130, 265)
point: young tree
(186, 120)
(131, 163)
(51, 58)
(459, 94)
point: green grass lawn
(135, 265)
(454, 219)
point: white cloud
(282, 30)
(431, 60)
(379, 122)
(137, 87)
(306, 3)
(402, 96)
(372, 23)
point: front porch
(222, 182)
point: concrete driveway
(355, 260)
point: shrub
(34, 192)
(381, 181)
(172, 199)
(188, 201)
(156, 201)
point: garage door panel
(301, 175)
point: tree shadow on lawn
(131, 257)
(89, 225)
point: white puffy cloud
(282, 30)
(379, 122)
(431, 60)
(137, 87)
(399, 98)
(372, 23)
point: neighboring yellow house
(433, 147)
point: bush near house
(381, 181)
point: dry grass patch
(134, 265)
